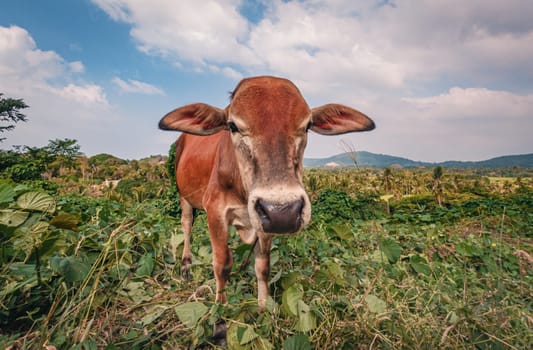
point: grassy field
(401, 259)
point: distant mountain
(520, 160)
(382, 160)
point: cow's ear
(334, 119)
(196, 118)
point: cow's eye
(232, 127)
(309, 125)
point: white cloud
(461, 124)
(21, 60)
(367, 54)
(86, 94)
(135, 86)
(481, 103)
(195, 31)
(26, 70)
(77, 67)
(464, 124)
(364, 45)
(61, 105)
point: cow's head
(268, 120)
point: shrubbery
(89, 272)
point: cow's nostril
(260, 209)
(280, 217)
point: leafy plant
(90, 272)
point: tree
(24, 163)
(29, 163)
(64, 155)
(10, 113)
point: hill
(369, 159)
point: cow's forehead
(268, 98)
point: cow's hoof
(186, 269)
(186, 273)
(219, 333)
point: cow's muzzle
(280, 217)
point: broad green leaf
(88, 344)
(54, 263)
(336, 273)
(191, 312)
(232, 337)
(65, 221)
(343, 231)
(39, 228)
(247, 336)
(291, 297)
(72, 268)
(153, 314)
(391, 249)
(137, 291)
(262, 344)
(205, 253)
(271, 304)
(420, 265)
(297, 342)
(176, 239)
(274, 257)
(146, 265)
(38, 201)
(27, 283)
(275, 278)
(13, 218)
(306, 319)
(375, 304)
(118, 271)
(7, 193)
(22, 188)
(52, 244)
(21, 269)
(289, 279)
(467, 249)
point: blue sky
(442, 79)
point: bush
(334, 206)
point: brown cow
(243, 166)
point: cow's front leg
(222, 262)
(222, 258)
(262, 268)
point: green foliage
(105, 159)
(127, 187)
(30, 163)
(27, 171)
(170, 165)
(87, 272)
(190, 313)
(20, 166)
(334, 206)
